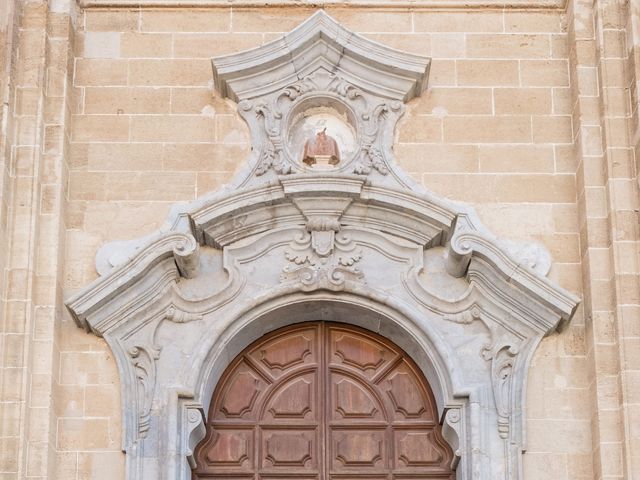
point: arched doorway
(321, 401)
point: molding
(373, 4)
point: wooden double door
(323, 401)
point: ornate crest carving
(321, 257)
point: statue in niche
(321, 150)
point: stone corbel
(194, 431)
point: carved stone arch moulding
(322, 225)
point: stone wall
(111, 118)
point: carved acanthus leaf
(143, 358)
(502, 367)
(320, 258)
(176, 315)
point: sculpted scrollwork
(143, 358)
(371, 115)
(321, 257)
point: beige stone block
(560, 46)
(565, 158)
(58, 25)
(268, 20)
(370, 20)
(87, 185)
(587, 81)
(12, 385)
(13, 350)
(25, 157)
(100, 128)
(83, 434)
(213, 44)
(190, 20)
(519, 101)
(487, 73)
(580, 467)
(448, 45)
(14, 316)
(124, 156)
(170, 72)
(100, 71)
(487, 129)
(420, 129)
(101, 45)
(503, 188)
(9, 454)
(515, 159)
(544, 73)
(38, 425)
(37, 458)
(533, 22)
(203, 157)
(211, 181)
(629, 320)
(162, 186)
(198, 100)
(146, 45)
(452, 21)
(10, 418)
(563, 101)
(437, 158)
(129, 100)
(626, 256)
(172, 128)
(111, 21)
(100, 465)
(41, 391)
(101, 400)
(559, 436)
(454, 101)
(231, 129)
(628, 292)
(86, 368)
(26, 101)
(77, 156)
(407, 42)
(442, 73)
(625, 225)
(17, 283)
(552, 129)
(574, 343)
(117, 220)
(564, 247)
(507, 46)
(585, 52)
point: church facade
(372, 239)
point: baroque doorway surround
(321, 225)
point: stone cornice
(380, 4)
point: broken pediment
(355, 241)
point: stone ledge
(378, 4)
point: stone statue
(321, 149)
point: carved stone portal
(357, 243)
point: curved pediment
(323, 224)
(321, 43)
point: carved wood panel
(323, 401)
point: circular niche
(321, 114)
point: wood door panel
(358, 449)
(352, 399)
(294, 399)
(323, 401)
(289, 449)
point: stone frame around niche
(360, 244)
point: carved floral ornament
(356, 242)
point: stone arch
(392, 322)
